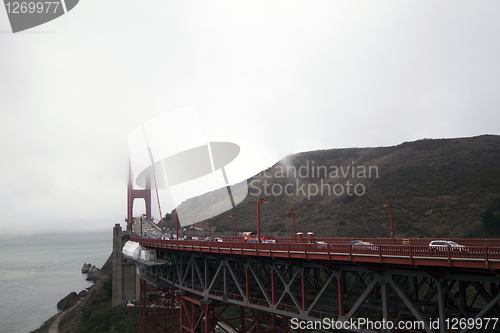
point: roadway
(476, 256)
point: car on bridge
(251, 237)
(442, 245)
(361, 245)
(320, 245)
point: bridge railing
(478, 242)
(333, 251)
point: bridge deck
(478, 257)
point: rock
(68, 301)
(86, 268)
(83, 293)
(94, 274)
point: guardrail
(484, 257)
(480, 242)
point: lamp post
(176, 225)
(261, 200)
(388, 204)
(293, 222)
(140, 221)
(234, 217)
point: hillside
(438, 188)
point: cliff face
(438, 188)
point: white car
(443, 244)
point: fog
(273, 77)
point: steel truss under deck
(183, 292)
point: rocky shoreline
(93, 312)
(94, 274)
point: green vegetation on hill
(99, 316)
(491, 217)
(438, 188)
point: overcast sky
(274, 77)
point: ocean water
(37, 271)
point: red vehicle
(251, 237)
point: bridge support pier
(125, 286)
(195, 314)
(166, 309)
(159, 309)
